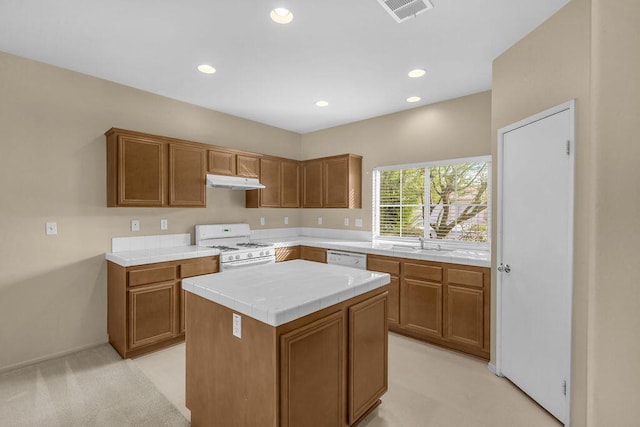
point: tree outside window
(457, 206)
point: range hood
(233, 182)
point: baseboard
(492, 368)
(49, 357)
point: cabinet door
(152, 313)
(312, 184)
(464, 318)
(309, 253)
(270, 178)
(222, 162)
(290, 184)
(141, 171)
(391, 266)
(394, 300)
(367, 354)
(421, 306)
(312, 374)
(190, 269)
(287, 254)
(247, 166)
(336, 183)
(187, 176)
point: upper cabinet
(231, 162)
(281, 178)
(332, 182)
(186, 176)
(153, 171)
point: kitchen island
(287, 344)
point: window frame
(431, 241)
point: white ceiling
(348, 52)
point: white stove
(235, 246)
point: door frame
(571, 106)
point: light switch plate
(286, 220)
(51, 228)
(319, 220)
(261, 220)
(346, 222)
(135, 225)
(164, 224)
(237, 325)
(358, 222)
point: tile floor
(428, 386)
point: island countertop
(279, 293)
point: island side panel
(229, 380)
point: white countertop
(475, 257)
(279, 293)
(149, 256)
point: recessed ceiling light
(322, 103)
(413, 99)
(418, 72)
(207, 69)
(281, 15)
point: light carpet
(94, 387)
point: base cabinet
(145, 303)
(309, 253)
(445, 304)
(328, 368)
(287, 253)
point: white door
(535, 255)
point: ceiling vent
(401, 10)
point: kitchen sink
(415, 249)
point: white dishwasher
(348, 259)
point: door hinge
(564, 387)
(568, 147)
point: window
(443, 201)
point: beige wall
(546, 68)
(52, 168)
(588, 51)
(456, 128)
(614, 294)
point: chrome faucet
(436, 247)
(421, 242)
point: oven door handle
(229, 266)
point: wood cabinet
(145, 303)
(153, 171)
(328, 368)
(287, 253)
(446, 304)
(136, 170)
(289, 184)
(221, 162)
(310, 253)
(392, 266)
(232, 162)
(281, 178)
(312, 184)
(332, 182)
(187, 176)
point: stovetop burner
(222, 248)
(253, 245)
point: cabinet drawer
(152, 275)
(383, 265)
(198, 268)
(421, 271)
(314, 254)
(465, 277)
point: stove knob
(261, 253)
(237, 256)
(249, 255)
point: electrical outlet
(237, 325)
(135, 225)
(261, 220)
(164, 224)
(358, 222)
(51, 228)
(286, 220)
(346, 222)
(319, 220)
